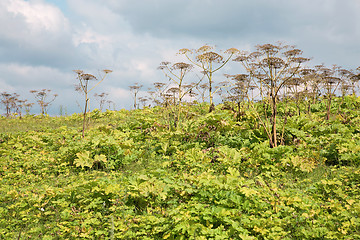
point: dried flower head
(241, 58)
(294, 82)
(106, 71)
(184, 51)
(272, 62)
(204, 86)
(241, 77)
(135, 87)
(232, 51)
(345, 73)
(173, 90)
(163, 65)
(209, 57)
(159, 85)
(87, 77)
(79, 72)
(268, 48)
(300, 60)
(204, 49)
(255, 55)
(355, 78)
(292, 53)
(332, 80)
(182, 66)
(306, 71)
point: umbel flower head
(79, 72)
(106, 71)
(88, 77)
(182, 66)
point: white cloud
(31, 23)
(38, 15)
(88, 36)
(35, 33)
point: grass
(152, 193)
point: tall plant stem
(85, 110)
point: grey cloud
(31, 43)
(133, 37)
(57, 54)
(324, 25)
(212, 18)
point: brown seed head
(79, 72)
(182, 66)
(209, 57)
(204, 49)
(106, 71)
(232, 51)
(87, 77)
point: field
(144, 174)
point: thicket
(214, 177)
(277, 159)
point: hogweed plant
(102, 99)
(157, 95)
(13, 104)
(143, 101)
(238, 93)
(44, 99)
(271, 67)
(84, 88)
(354, 80)
(333, 79)
(134, 89)
(176, 73)
(202, 89)
(209, 62)
(8, 101)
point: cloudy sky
(42, 41)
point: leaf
(100, 158)
(83, 160)
(248, 191)
(233, 172)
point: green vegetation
(279, 158)
(214, 176)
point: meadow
(160, 173)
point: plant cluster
(42, 99)
(14, 105)
(273, 74)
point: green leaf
(100, 158)
(84, 160)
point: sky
(42, 41)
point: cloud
(324, 25)
(42, 41)
(32, 33)
(204, 18)
(37, 16)
(26, 76)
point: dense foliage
(137, 176)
